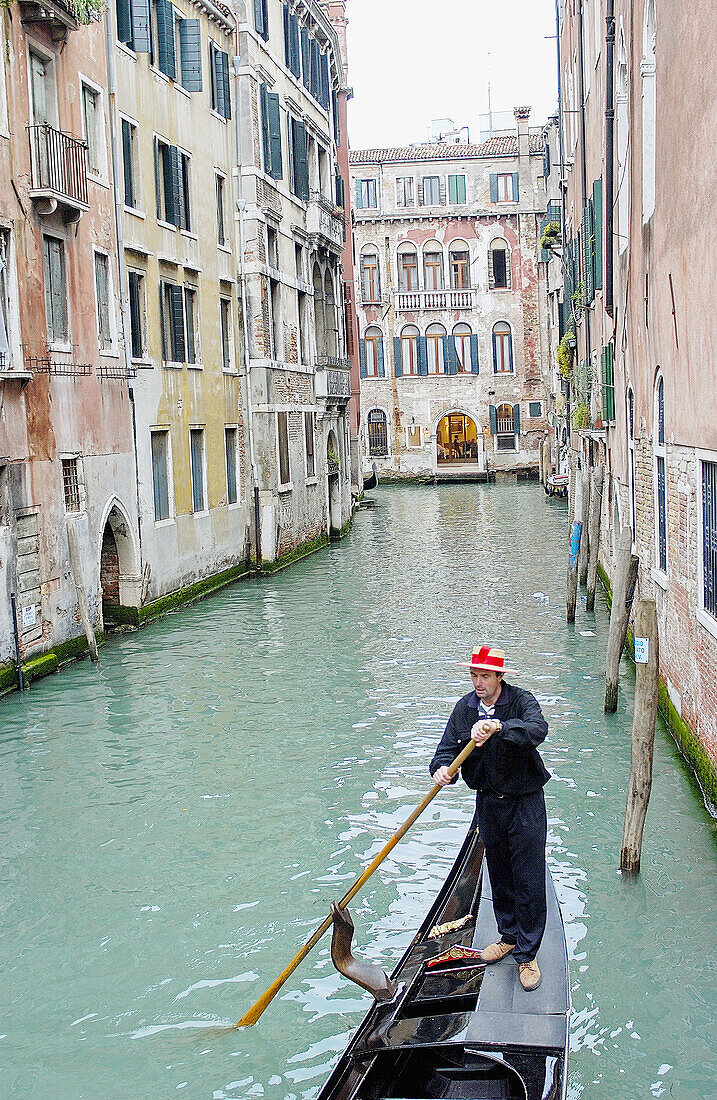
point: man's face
(486, 684)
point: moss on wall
(303, 550)
(684, 736)
(45, 663)
(138, 616)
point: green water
(175, 823)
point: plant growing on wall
(566, 354)
(580, 416)
(550, 236)
(88, 11)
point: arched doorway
(333, 467)
(120, 582)
(109, 568)
(457, 440)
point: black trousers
(514, 831)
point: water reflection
(176, 822)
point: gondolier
(508, 775)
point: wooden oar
(265, 1000)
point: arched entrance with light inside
(457, 440)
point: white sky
(411, 61)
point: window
(301, 343)
(377, 433)
(93, 129)
(282, 426)
(172, 184)
(191, 326)
(660, 478)
(373, 352)
(162, 28)
(221, 219)
(276, 347)
(462, 340)
(219, 94)
(457, 190)
(43, 91)
(196, 460)
(138, 314)
(460, 267)
(172, 321)
(535, 408)
(225, 329)
(502, 348)
(190, 53)
(498, 265)
(370, 281)
(708, 593)
(409, 349)
(271, 132)
(505, 427)
(404, 191)
(433, 270)
(292, 45)
(309, 438)
(230, 448)
(407, 269)
(504, 187)
(272, 247)
(160, 474)
(366, 196)
(130, 167)
(261, 19)
(431, 191)
(102, 295)
(5, 342)
(435, 335)
(133, 24)
(71, 484)
(299, 168)
(54, 270)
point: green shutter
(227, 112)
(124, 21)
(191, 48)
(493, 187)
(165, 39)
(265, 138)
(176, 200)
(140, 26)
(397, 360)
(450, 356)
(305, 56)
(457, 190)
(380, 367)
(276, 169)
(608, 385)
(301, 164)
(287, 35)
(493, 414)
(127, 163)
(516, 187)
(362, 357)
(422, 356)
(177, 323)
(516, 419)
(597, 229)
(474, 353)
(452, 189)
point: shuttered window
(608, 385)
(498, 265)
(160, 474)
(225, 314)
(370, 282)
(261, 19)
(309, 441)
(292, 47)
(221, 218)
(129, 163)
(94, 132)
(190, 45)
(502, 348)
(172, 320)
(166, 51)
(597, 232)
(219, 81)
(373, 360)
(709, 537)
(137, 313)
(431, 191)
(282, 427)
(172, 170)
(457, 190)
(462, 344)
(230, 448)
(54, 271)
(299, 160)
(404, 191)
(460, 268)
(366, 194)
(102, 294)
(196, 459)
(271, 132)
(435, 348)
(377, 433)
(433, 270)
(133, 24)
(191, 325)
(504, 187)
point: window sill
(230, 372)
(125, 49)
(215, 113)
(707, 621)
(169, 522)
(286, 488)
(59, 346)
(195, 366)
(234, 505)
(109, 353)
(166, 225)
(135, 212)
(180, 88)
(168, 365)
(188, 235)
(158, 73)
(225, 249)
(313, 480)
(660, 579)
(203, 513)
(100, 179)
(143, 364)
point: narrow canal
(175, 823)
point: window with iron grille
(377, 433)
(709, 537)
(71, 484)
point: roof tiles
(495, 147)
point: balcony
(58, 16)
(410, 301)
(333, 380)
(58, 171)
(8, 372)
(58, 362)
(325, 221)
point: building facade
(642, 381)
(68, 503)
(452, 305)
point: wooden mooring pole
(623, 592)
(643, 734)
(596, 483)
(586, 476)
(576, 529)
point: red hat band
(489, 659)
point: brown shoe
(530, 977)
(494, 952)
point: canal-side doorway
(120, 582)
(458, 442)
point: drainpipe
(124, 304)
(563, 191)
(583, 165)
(16, 636)
(608, 298)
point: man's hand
(481, 731)
(442, 777)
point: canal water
(175, 822)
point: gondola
(454, 1027)
(370, 481)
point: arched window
(460, 265)
(660, 477)
(372, 347)
(435, 343)
(647, 69)
(462, 339)
(499, 265)
(433, 266)
(370, 276)
(331, 318)
(407, 268)
(502, 348)
(377, 433)
(319, 311)
(506, 428)
(409, 349)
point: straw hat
(488, 659)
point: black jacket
(508, 763)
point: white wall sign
(642, 650)
(29, 616)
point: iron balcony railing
(58, 165)
(59, 362)
(333, 361)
